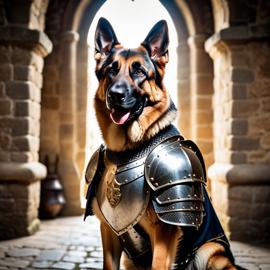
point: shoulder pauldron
(175, 172)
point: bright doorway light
(132, 20)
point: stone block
(243, 109)
(259, 211)
(21, 157)
(237, 157)
(238, 91)
(259, 89)
(66, 131)
(51, 103)
(6, 72)
(20, 126)
(22, 108)
(204, 132)
(5, 54)
(261, 194)
(266, 104)
(5, 107)
(241, 143)
(261, 122)
(241, 193)
(204, 117)
(25, 143)
(238, 126)
(239, 209)
(242, 75)
(239, 59)
(20, 90)
(202, 83)
(24, 73)
(204, 103)
(265, 141)
(19, 217)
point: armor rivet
(126, 180)
(151, 178)
(193, 223)
(194, 174)
(168, 198)
(189, 174)
(191, 208)
(117, 170)
(195, 195)
(185, 177)
(188, 195)
(173, 207)
(156, 184)
(148, 166)
(189, 147)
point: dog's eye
(139, 72)
(112, 72)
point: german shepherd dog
(132, 106)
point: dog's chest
(123, 194)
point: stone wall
(23, 45)
(240, 175)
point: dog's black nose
(118, 92)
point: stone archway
(66, 68)
(230, 121)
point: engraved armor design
(122, 194)
(176, 175)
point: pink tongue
(119, 119)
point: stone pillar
(183, 86)
(21, 63)
(201, 113)
(241, 175)
(68, 168)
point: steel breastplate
(123, 194)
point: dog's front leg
(111, 248)
(164, 242)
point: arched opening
(139, 27)
(192, 74)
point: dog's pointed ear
(157, 41)
(105, 38)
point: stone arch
(69, 102)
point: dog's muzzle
(122, 103)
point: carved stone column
(241, 175)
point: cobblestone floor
(70, 243)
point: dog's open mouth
(119, 117)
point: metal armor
(176, 175)
(171, 174)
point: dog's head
(131, 97)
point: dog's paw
(135, 132)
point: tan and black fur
(136, 75)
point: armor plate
(176, 175)
(92, 167)
(123, 195)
